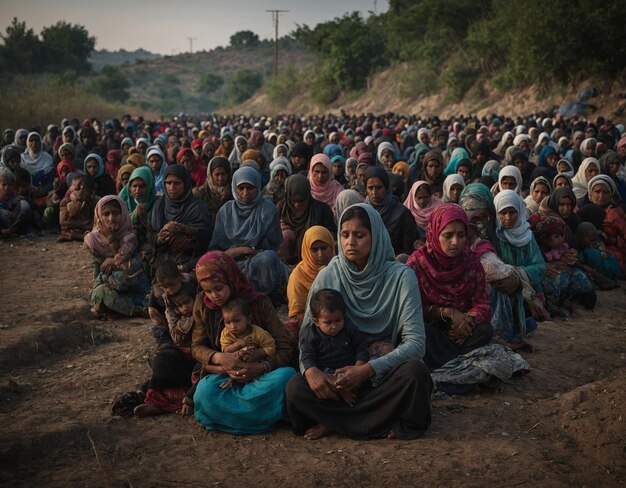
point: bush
(285, 86)
(110, 84)
(243, 85)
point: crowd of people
(399, 245)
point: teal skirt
(253, 408)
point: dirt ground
(562, 425)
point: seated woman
(155, 160)
(453, 185)
(318, 248)
(540, 188)
(452, 287)
(94, 167)
(248, 230)
(298, 212)
(421, 203)
(391, 392)
(323, 186)
(517, 247)
(256, 405)
(589, 168)
(41, 168)
(562, 203)
(216, 190)
(77, 208)
(561, 180)
(280, 170)
(397, 218)
(120, 284)
(509, 178)
(432, 171)
(180, 226)
(139, 196)
(236, 156)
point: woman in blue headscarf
(94, 166)
(248, 229)
(155, 159)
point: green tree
(243, 85)
(110, 84)
(209, 83)
(244, 38)
(21, 51)
(67, 46)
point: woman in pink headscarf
(324, 188)
(422, 203)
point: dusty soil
(562, 425)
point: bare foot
(187, 409)
(147, 410)
(316, 432)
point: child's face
(6, 188)
(216, 291)
(92, 167)
(236, 322)
(13, 163)
(555, 241)
(184, 304)
(111, 217)
(171, 286)
(330, 323)
(587, 241)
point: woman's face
(452, 238)
(14, 163)
(207, 151)
(561, 182)
(34, 144)
(142, 147)
(600, 195)
(68, 137)
(565, 207)
(455, 192)
(422, 197)
(591, 171)
(464, 172)
(111, 217)
(322, 253)
(309, 139)
(174, 187)
(356, 242)
(281, 151)
(614, 168)
(387, 158)
(376, 190)
(247, 192)
(434, 168)
(508, 183)
(216, 291)
(299, 204)
(360, 174)
(155, 162)
(92, 167)
(187, 162)
(138, 188)
(563, 168)
(242, 145)
(320, 174)
(280, 176)
(540, 192)
(337, 169)
(220, 176)
(508, 217)
(21, 140)
(590, 149)
(227, 143)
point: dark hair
(326, 299)
(22, 176)
(237, 303)
(167, 270)
(188, 289)
(355, 212)
(88, 181)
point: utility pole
(191, 39)
(275, 14)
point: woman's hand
(141, 211)
(249, 372)
(352, 377)
(321, 384)
(108, 266)
(508, 285)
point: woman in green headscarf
(139, 195)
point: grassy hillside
(101, 58)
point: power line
(191, 39)
(275, 15)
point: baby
(250, 342)
(595, 259)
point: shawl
(476, 196)
(297, 186)
(346, 199)
(450, 180)
(212, 195)
(123, 241)
(144, 173)
(65, 163)
(458, 281)
(219, 266)
(159, 179)
(36, 162)
(327, 192)
(247, 224)
(520, 234)
(188, 210)
(550, 206)
(421, 215)
(304, 273)
(236, 156)
(533, 207)
(580, 180)
(511, 171)
(456, 156)
(436, 185)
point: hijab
(457, 155)
(603, 180)
(450, 180)
(123, 241)
(274, 190)
(64, 163)
(379, 152)
(212, 195)
(159, 179)
(533, 207)
(404, 167)
(580, 180)
(236, 156)
(520, 234)
(126, 169)
(327, 192)
(36, 162)
(346, 199)
(511, 171)
(570, 172)
(421, 215)
(113, 167)
(143, 173)
(491, 169)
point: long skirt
(400, 403)
(440, 348)
(252, 408)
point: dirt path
(563, 425)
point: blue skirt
(253, 408)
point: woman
(432, 172)
(562, 203)
(216, 190)
(459, 154)
(589, 168)
(94, 167)
(452, 287)
(539, 189)
(195, 166)
(380, 299)
(421, 203)
(139, 195)
(155, 160)
(509, 178)
(396, 217)
(40, 166)
(323, 186)
(280, 170)
(562, 180)
(256, 405)
(122, 176)
(248, 230)
(180, 225)
(453, 186)
(120, 284)
(298, 212)
(611, 165)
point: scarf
(112, 164)
(36, 162)
(346, 199)
(143, 173)
(520, 234)
(580, 180)
(236, 156)
(533, 207)
(123, 241)
(276, 191)
(159, 179)
(327, 192)
(514, 172)
(457, 155)
(127, 169)
(448, 183)
(421, 215)
(212, 195)
(64, 164)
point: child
(595, 258)
(59, 189)
(15, 211)
(333, 343)
(250, 342)
(563, 279)
(77, 209)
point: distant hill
(102, 58)
(167, 84)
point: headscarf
(331, 150)
(113, 167)
(450, 180)
(549, 225)
(564, 175)
(569, 173)
(583, 145)
(212, 195)
(304, 273)
(64, 163)
(236, 156)
(123, 241)
(491, 169)
(456, 156)
(144, 173)
(36, 162)
(69, 146)
(97, 159)
(421, 215)
(18, 134)
(533, 207)
(603, 180)
(580, 180)
(219, 266)
(346, 199)
(159, 179)
(272, 189)
(511, 171)
(136, 160)
(328, 192)
(379, 152)
(520, 234)
(127, 169)
(404, 167)
(9, 152)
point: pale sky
(162, 26)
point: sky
(163, 26)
